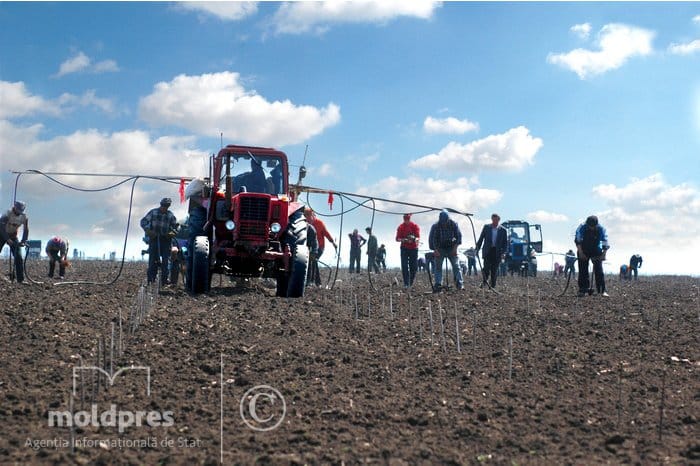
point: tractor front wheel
(200, 274)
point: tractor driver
(254, 180)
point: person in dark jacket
(381, 257)
(312, 244)
(372, 247)
(591, 244)
(495, 243)
(635, 263)
(160, 226)
(57, 250)
(444, 239)
(570, 259)
(356, 243)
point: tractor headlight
(275, 228)
(230, 225)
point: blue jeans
(355, 256)
(456, 270)
(409, 264)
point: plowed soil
(523, 376)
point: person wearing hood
(443, 241)
(10, 223)
(495, 240)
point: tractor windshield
(255, 174)
(517, 234)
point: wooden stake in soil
(661, 405)
(111, 353)
(459, 348)
(432, 328)
(357, 311)
(420, 324)
(72, 425)
(121, 348)
(510, 357)
(391, 304)
(442, 328)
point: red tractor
(254, 226)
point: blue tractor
(524, 242)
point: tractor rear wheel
(291, 283)
(200, 265)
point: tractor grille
(254, 208)
(253, 218)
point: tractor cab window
(517, 234)
(255, 174)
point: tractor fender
(295, 206)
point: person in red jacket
(408, 234)
(322, 234)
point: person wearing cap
(10, 223)
(356, 243)
(160, 226)
(314, 275)
(408, 234)
(57, 250)
(495, 241)
(372, 246)
(591, 245)
(443, 240)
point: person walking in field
(443, 240)
(314, 274)
(591, 245)
(10, 223)
(57, 250)
(408, 234)
(495, 244)
(160, 226)
(471, 261)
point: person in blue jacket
(591, 244)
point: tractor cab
(524, 242)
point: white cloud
(102, 215)
(213, 103)
(685, 49)
(317, 17)
(325, 169)
(696, 19)
(106, 66)
(542, 216)
(581, 30)
(18, 102)
(617, 43)
(648, 215)
(449, 125)
(226, 11)
(511, 150)
(457, 194)
(82, 63)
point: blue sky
(547, 112)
